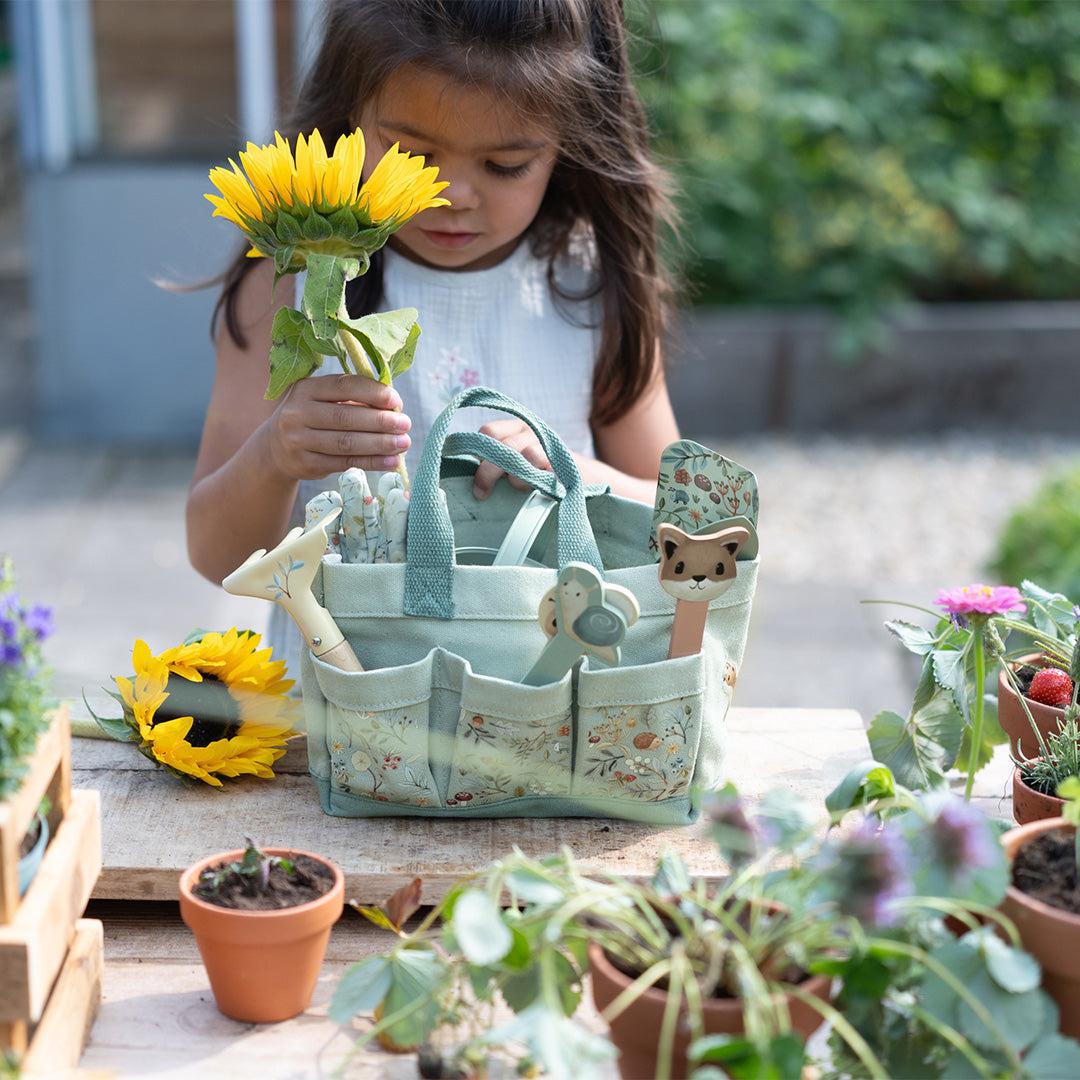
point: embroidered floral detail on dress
(453, 373)
(497, 758)
(642, 751)
(383, 755)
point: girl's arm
(254, 452)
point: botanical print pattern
(638, 751)
(698, 487)
(497, 758)
(453, 373)
(382, 755)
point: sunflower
(214, 706)
(313, 203)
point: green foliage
(24, 681)
(1038, 540)
(252, 870)
(857, 154)
(1060, 762)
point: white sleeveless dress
(497, 327)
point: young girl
(542, 279)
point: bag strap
(429, 564)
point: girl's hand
(518, 436)
(332, 423)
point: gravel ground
(863, 512)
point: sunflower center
(217, 715)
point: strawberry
(1051, 686)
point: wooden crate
(38, 933)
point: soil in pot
(310, 879)
(1045, 869)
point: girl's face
(497, 162)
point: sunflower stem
(363, 367)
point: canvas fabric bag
(439, 724)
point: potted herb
(262, 920)
(1036, 780)
(24, 707)
(731, 975)
(1043, 900)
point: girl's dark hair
(565, 62)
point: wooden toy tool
(582, 616)
(284, 574)
(696, 568)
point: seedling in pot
(252, 870)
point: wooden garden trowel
(284, 574)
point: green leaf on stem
(324, 290)
(294, 353)
(1012, 969)
(361, 989)
(950, 671)
(916, 639)
(389, 338)
(920, 749)
(864, 783)
(746, 1059)
(1053, 1055)
(479, 928)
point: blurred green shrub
(1041, 538)
(862, 152)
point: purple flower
(960, 839)
(871, 873)
(9, 604)
(39, 621)
(10, 653)
(9, 629)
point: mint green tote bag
(440, 725)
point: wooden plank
(158, 1016)
(62, 1032)
(33, 945)
(154, 826)
(48, 773)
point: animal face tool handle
(284, 575)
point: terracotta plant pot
(262, 965)
(1031, 805)
(1051, 935)
(1014, 720)
(636, 1030)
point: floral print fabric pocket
(633, 744)
(380, 750)
(512, 741)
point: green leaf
(315, 227)
(478, 926)
(523, 988)
(115, 727)
(378, 917)
(343, 222)
(1053, 1055)
(417, 975)
(287, 228)
(911, 753)
(293, 355)
(389, 338)
(324, 290)
(916, 639)
(961, 958)
(532, 887)
(361, 989)
(560, 1046)
(950, 671)
(864, 783)
(1017, 1017)
(283, 257)
(1012, 969)
(744, 1059)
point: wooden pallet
(47, 956)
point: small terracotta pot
(636, 1030)
(262, 965)
(1031, 805)
(1051, 935)
(1014, 720)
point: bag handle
(429, 563)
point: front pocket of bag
(512, 741)
(638, 730)
(377, 732)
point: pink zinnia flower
(981, 600)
